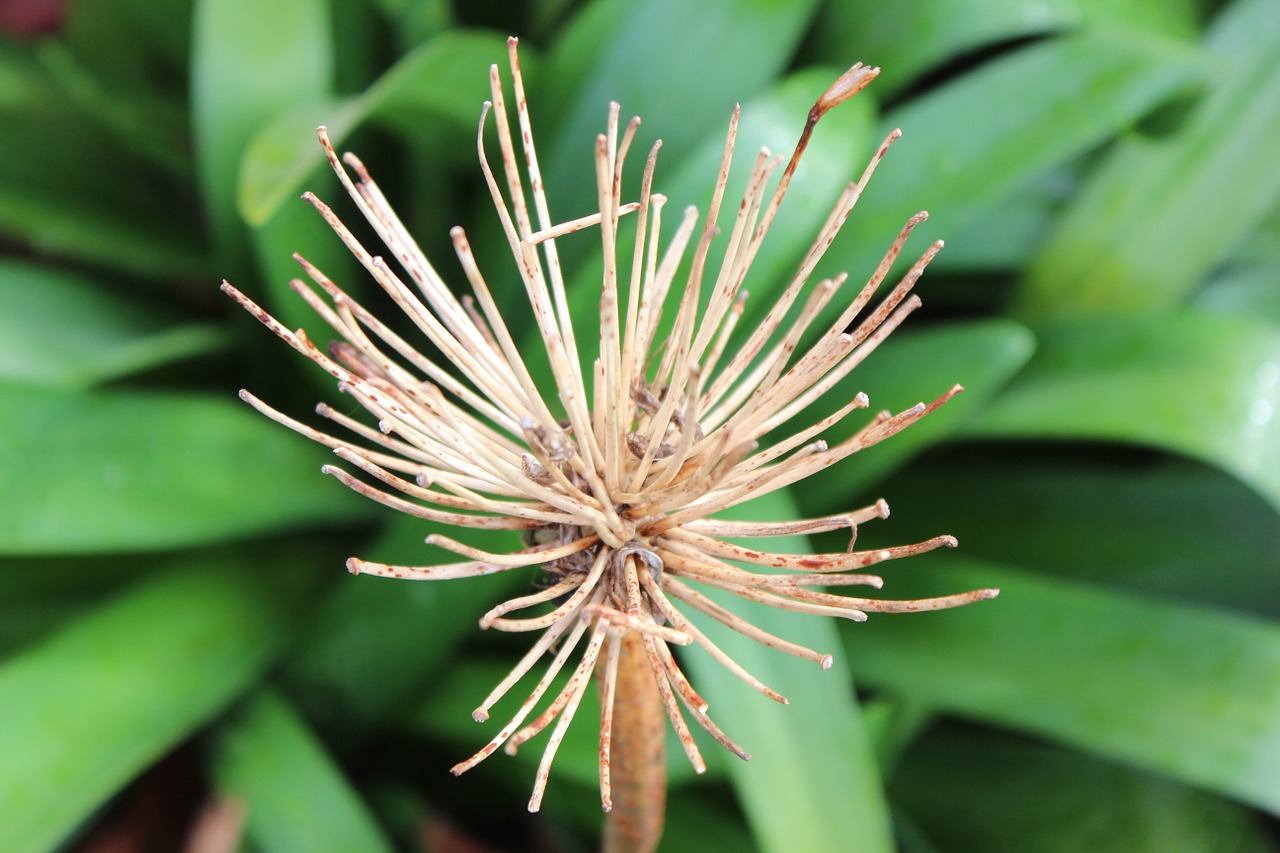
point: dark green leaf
(1248, 292)
(123, 114)
(39, 595)
(93, 705)
(1005, 235)
(134, 471)
(295, 795)
(134, 45)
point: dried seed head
(615, 472)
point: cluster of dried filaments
(616, 495)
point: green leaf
(250, 61)
(909, 39)
(1190, 692)
(1191, 383)
(802, 752)
(958, 157)
(93, 705)
(294, 793)
(1159, 214)
(910, 368)
(134, 471)
(974, 790)
(59, 330)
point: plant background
(175, 622)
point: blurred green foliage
(172, 577)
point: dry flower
(613, 475)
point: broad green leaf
(1160, 213)
(909, 39)
(96, 703)
(680, 66)
(346, 672)
(973, 141)
(295, 795)
(1189, 692)
(59, 330)
(973, 790)
(893, 723)
(134, 471)
(437, 89)
(1198, 384)
(910, 368)
(250, 61)
(801, 752)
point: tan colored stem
(637, 756)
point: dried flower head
(614, 478)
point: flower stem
(637, 756)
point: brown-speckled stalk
(637, 758)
